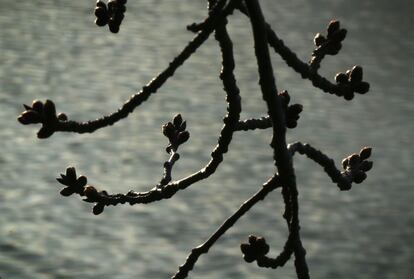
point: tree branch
(192, 258)
(263, 122)
(306, 70)
(282, 157)
(216, 14)
(102, 198)
(343, 179)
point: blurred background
(53, 50)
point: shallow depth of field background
(52, 49)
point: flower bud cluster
(255, 249)
(353, 80)
(331, 44)
(73, 183)
(356, 165)
(175, 132)
(291, 112)
(44, 113)
(111, 14)
(77, 185)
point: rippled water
(51, 49)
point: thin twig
(214, 17)
(192, 258)
(263, 122)
(225, 137)
(301, 67)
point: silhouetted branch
(228, 10)
(263, 122)
(306, 70)
(90, 126)
(280, 116)
(192, 258)
(176, 133)
(102, 198)
(291, 116)
(354, 166)
(281, 155)
(257, 248)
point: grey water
(52, 50)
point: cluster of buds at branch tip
(44, 113)
(331, 44)
(255, 249)
(78, 185)
(175, 132)
(73, 183)
(113, 14)
(352, 80)
(291, 112)
(356, 165)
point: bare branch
(268, 187)
(102, 198)
(280, 116)
(90, 126)
(281, 155)
(306, 70)
(263, 122)
(355, 165)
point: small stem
(344, 183)
(263, 122)
(168, 165)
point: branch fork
(280, 116)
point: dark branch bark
(283, 160)
(192, 258)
